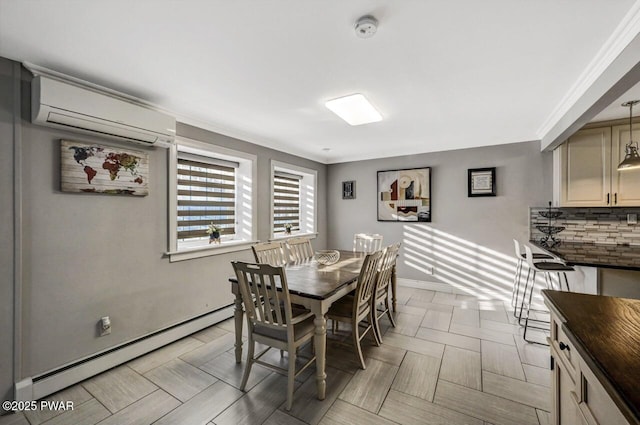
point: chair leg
(291, 377)
(524, 335)
(372, 318)
(356, 344)
(515, 307)
(524, 294)
(376, 326)
(516, 283)
(247, 367)
(391, 319)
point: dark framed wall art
(404, 195)
(349, 190)
(481, 182)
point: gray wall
(86, 256)
(469, 241)
(7, 103)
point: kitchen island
(624, 257)
(595, 351)
(614, 269)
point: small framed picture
(482, 182)
(349, 190)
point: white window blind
(286, 201)
(206, 194)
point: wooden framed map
(404, 195)
(103, 169)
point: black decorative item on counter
(550, 230)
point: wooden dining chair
(354, 309)
(271, 319)
(381, 293)
(272, 253)
(364, 242)
(299, 249)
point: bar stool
(546, 267)
(515, 292)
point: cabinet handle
(615, 198)
(564, 346)
(607, 199)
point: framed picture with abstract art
(482, 182)
(404, 195)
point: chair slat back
(299, 249)
(272, 253)
(265, 294)
(363, 242)
(366, 282)
(517, 249)
(387, 262)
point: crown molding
(624, 34)
(246, 137)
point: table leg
(320, 344)
(394, 284)
(237, 315)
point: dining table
(315, 286)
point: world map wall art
(404, 195)
(103, 169)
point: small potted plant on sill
(287, 228)
(214, 233)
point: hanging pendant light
(631, 157)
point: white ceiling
(445, 74)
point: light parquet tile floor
(453, 359)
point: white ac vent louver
(59, 104)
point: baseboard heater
(37, 387)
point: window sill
(208, 250)
(295, 235)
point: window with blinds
(286, 201)
(206, 194)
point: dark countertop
(606, 333)
(625, 257)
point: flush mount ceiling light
(355, 109)
(631, 159)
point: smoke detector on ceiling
(366, 26)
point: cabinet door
(625, 185)
(585, 171)
(564, 409)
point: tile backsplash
(596, 225)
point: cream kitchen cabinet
(625, 185)
(587, 173)
(578, 396)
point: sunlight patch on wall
(466, 266)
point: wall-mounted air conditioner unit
(64, 105)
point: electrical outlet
(105, 326)
(632, 218)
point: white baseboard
(34, 388)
